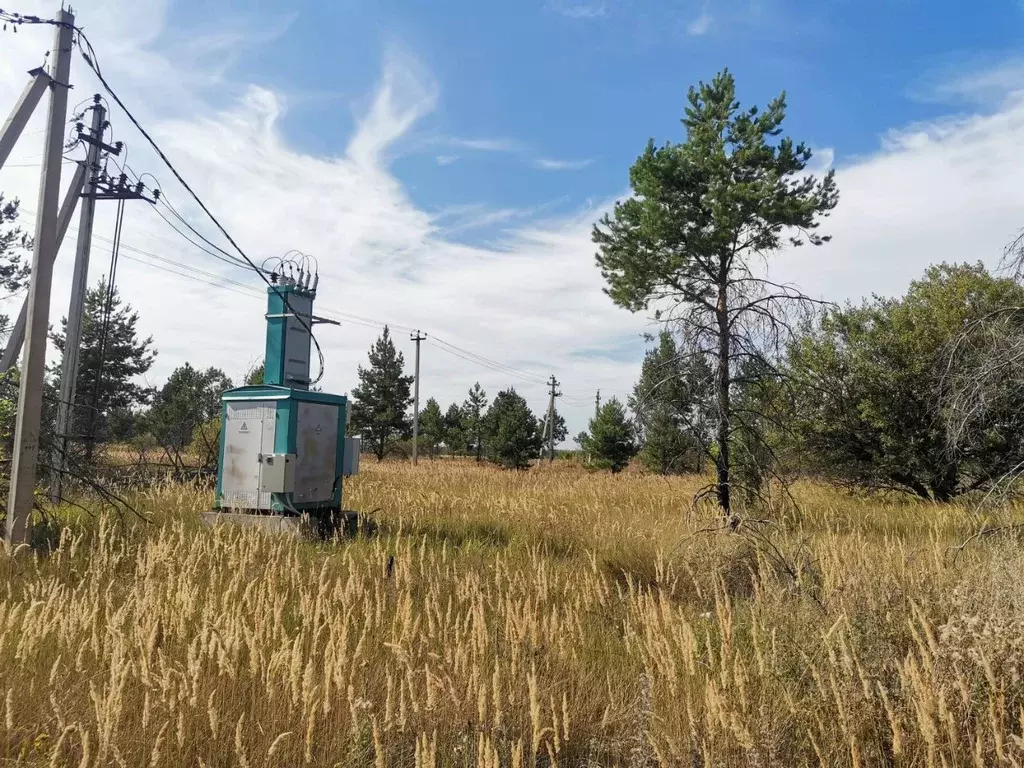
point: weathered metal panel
(249, 428)
(297, 343)
(353, 445)
(316, 446)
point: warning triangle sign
(244, 427)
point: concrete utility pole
(79, 285)
(22, 111)
(67, 210)
(30, 398)
(553, 383)
(417, 337)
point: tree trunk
(723, 381)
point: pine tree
(610, 441)
(510, 431)
(381, 399)
(110, 360)
(672, 402)
(431, 426)
(704, 213)
(473, 410)
(454, 435)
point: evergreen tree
(473, 410)
(454, 434)
(110, 360)
(15, 245)
(189, 399)
(381, 399)
(510, 431)
(671, 402)
(431, 426)
(611, 439)
(703, 214)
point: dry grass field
(552, 617)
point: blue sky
(446, 161)
(584, 84)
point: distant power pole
(30, 399)
(79, 285)
(553, 383)
(417, 337)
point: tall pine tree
(690, 241)
(473, 410)
(380, 401)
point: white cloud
(700, 25)
(942, 191)
(580, 10)
(549, 164)
(486, 145)
(970, 83)
(446, 159)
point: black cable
(107, 309)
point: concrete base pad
(343, 522)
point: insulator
(316, 281)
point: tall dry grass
(501, 619)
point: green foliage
(610, 442)
(256, 376)
(431, 426)
(15, 245)
(510, 433)
(671, 402)
(454, 434)
(702, 213)
(125, 358)
(870, 381)
(189, 399)
(473, 410)
(381, 399)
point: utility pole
(30, 399)
(597, 404)
(417, 337)
(79, 285)
(553, 383)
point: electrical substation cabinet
(282, 450)
(277, 473)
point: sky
(445, 162)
